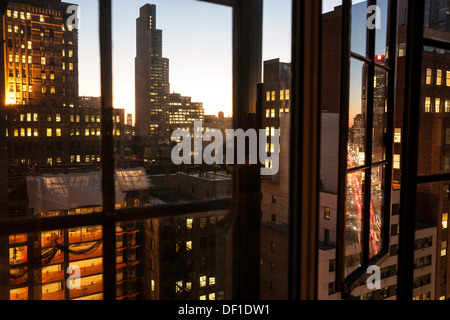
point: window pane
(434, 156)
(357, 121)
(359, 25)
(380, 115)
(353, 222)
(377, 211)
(44, 176)
(431, 235)
(174, 258)
(381, 36)
(56, 265)
(173, 90)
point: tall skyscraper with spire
(152, 78)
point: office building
(152, 79)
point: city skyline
(201, 70)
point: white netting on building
(78, 190)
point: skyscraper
(41, 81)
(152, 78)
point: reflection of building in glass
(437, 14)
(434, 153)
(39, 262)
(428, 239)
(186, 256)
(274, 99)
(274, 107)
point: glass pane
(56, 265)
(357, 115)
(353, 222)
(436, 15)
(274, 257)
(381, 38)
(175, 258)
(432, 239)
(52, 134)
(380, 115)
(434, 133)
(160, 89)
(377, 208)
(359, 25)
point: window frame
(347, 284)
(247, 25)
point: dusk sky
(196, 39)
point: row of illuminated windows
(17, 92)
(92, 118)
(87, 118)
(33, 132)
(270, 131)
(272, 95)
(33, 117)
(188, 287)
(29, 117)
(27, 16)
(87, 158)
(16, 58)
(438, 107)
(438, 77)
(203, 222)
(203, 281)
(70, 66)
(70, 53)
(272, 113)
(23, 15)
(15, 14)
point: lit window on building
(429, 76)
(203, 281)
(398, 135)
(427, 104)
(439, 77)
(327, 213)
(444, 220)
(189, 223)
(397, 163)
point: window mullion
(369, 141)
(108, 181)
(343, 143)
(410, 140)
